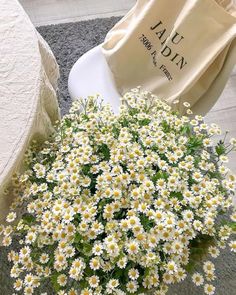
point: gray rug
(69, 42)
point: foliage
(121, 204)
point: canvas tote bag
(181, 49)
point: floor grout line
(47, 12)
(223, 109)
(80, 18)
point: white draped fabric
(28, 81)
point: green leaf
(220, 149)
(83, 284)
(133, 111)
(28, 218)
(146, 222)
(166, 127)
(159, 175)
(141, 289)
(87, 249)
(85, 117)
(77, 217)
(78, 238)
(67, 122)
(146, 272)
(115, 131)
(231, 224)
(186, 129)
(135, 135)
(104, 149)
(177, 195)
(55, 284)
(86, 169)
(194, 143)
(144, 122)
(190, 266)
(119, 272)
(221, 212)
(198, 250)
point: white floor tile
(45, 12)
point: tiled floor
(43, 12)
(224, 113)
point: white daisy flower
(94, 281)
(209, 289)
(11, 217)
(208, 267)
(62, 280)
(133, 274)
(232, 245)
(197, 279)
(132, 287)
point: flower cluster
(119, 204)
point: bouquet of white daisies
(121, 204)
